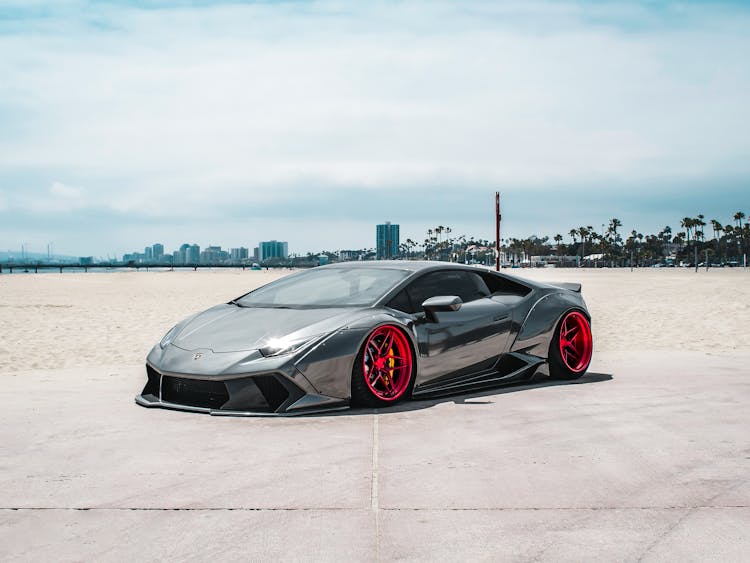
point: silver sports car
(368, 334)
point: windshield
(331, 287)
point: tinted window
(401, 302)
(501, 285)
(329, 287)
(467, 285)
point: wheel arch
(538, 327)
(329, 365)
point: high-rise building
(184, 253)
(272, 249)
(158, 252)
(149, 254)
(213, 255)
(386, 241)
(238, 254)
(193, 254)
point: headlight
(168, 337)
(281, 346)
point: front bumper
(266, 394)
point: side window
(425, 287)
(401, 302)
(478, 285)
(502, 285)
(467, 285)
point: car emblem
(197, 356)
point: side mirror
(441, 304)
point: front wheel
(571, 348)
(384, 369)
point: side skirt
(510, 368)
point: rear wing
(575, 287)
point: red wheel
(572, 346)
(384, 368)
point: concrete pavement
(646, 458)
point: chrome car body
(258, 360)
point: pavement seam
(374, 477)
(374, 503)
(335, 509)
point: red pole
(497, 231)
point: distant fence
(9, 267)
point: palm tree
(613, 224)
(716, 227)
(728, 233)
(591, 235)
(584, 232)
(558, 239)
(438, 232)
(410, 245)
(687, 223)
(666, 234)
(613, 238)
(679, 239)
(699, 223)
(739, 216)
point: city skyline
(223, 122)
(725, 232)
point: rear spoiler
(576, 287)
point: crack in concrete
(664, 534)
(688, 511)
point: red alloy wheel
(576, 343)
(387, 363)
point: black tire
(391, 366)
(572, 346)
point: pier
(36, 267)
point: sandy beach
(645, 458)
(66, 320)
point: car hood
(229, 328)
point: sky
(123, 124)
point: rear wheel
(384, 369)
(571, 347)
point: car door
(468, 340)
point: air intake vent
(194, 392)
(273, 391)
(152, 385)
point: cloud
(189, 109)
(66, 192)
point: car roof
(410, 265)
(416, 267)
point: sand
(642, 459)
(52, 321)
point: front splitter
(144, 402)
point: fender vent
(509, 363)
